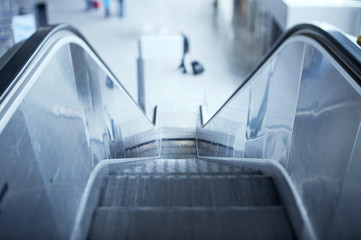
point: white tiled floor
(215, 40)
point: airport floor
(218, 40)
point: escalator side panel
(284, 83)
(257, 122)
(54, 123)
(71, 122)
(343, 224)
(305, 113)
(25, 209)
(326, 125)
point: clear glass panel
(303, 110)
(327, 119)
(249, 125)
(70, 115)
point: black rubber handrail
(16, 59)
(13, 62)
(341, 48)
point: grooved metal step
(188, 190)
(191, 223)
(188, 199)
(182, 147)
(180, 166)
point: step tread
(169, 166)
(191, 223)
(188, 190)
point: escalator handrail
(341, 48)
(20, 56)
(15, 60)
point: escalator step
(170, 166)
(191, 223)
(186, 190)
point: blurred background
(228, 37)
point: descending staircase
(188, 199)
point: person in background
(89, 5)
(107, 8)
(121, 8)
(215, 3)
(182, 67)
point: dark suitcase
(197, 68)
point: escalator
(189, 199)
(279, 160)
